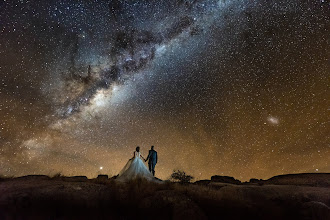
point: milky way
(237, 88)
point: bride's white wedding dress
(134, 168)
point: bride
(135, 168)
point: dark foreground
(42, 197)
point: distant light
(101, 168)
(316, 170)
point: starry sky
(219, 87)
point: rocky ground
(282, 197)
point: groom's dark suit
(152, 157)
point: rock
(308, 179)
(34, 177)
(158, 179)
(202, 182)
(316, 210)
(75, 178)
(102, 177)
(180, 206)
(114, 177)
(225, 179)
(253, 180)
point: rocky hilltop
(302, 179)
(306, 179)
(296, 196)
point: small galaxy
(219, 87)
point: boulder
(171, 205)
(316, 210)
(34, 177)
(253, 180)
(114, 177)
(225, 179)
(202, 182)
(307, 179)
(75, 178)
(102, 177)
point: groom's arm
(147, 157)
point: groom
(152, 157)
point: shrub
(181, 176)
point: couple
(136, 168)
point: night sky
(227, 87)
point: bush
(181, 176)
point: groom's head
(152, 147)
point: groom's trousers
(152, 168)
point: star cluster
(226, 87)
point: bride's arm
(142, 158)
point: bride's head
(137, 149)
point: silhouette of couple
(135, 167)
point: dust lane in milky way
(234, 88)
